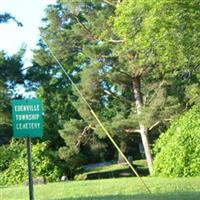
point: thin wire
(119, 150)
(79, 92)
(98, 120)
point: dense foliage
(13, 163)
(177, 151)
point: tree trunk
(147, 149)
(143, 129)
(123, 149)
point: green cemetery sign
(27, 118)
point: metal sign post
(30, 176)
(27, 117)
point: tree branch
(83, 26)
(117, 97)
(160, 85)
(4, 18)
(154, 125)
(110, 3)
(116, 41)
(122, 72)
(157, 123)
(6, 123)
(80, 137)
(132, 130)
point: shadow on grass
(161, 196)
(117, 173)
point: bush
(178, 150)
(14, 167)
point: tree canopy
(135, 69)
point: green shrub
(178, 150)
(13, 163)
(8, 153)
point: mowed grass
(110, 189)
(113, 167)
(114, 171)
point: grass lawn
(138, 163)
(114, 171)
(110, 189)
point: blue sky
(30, 13)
